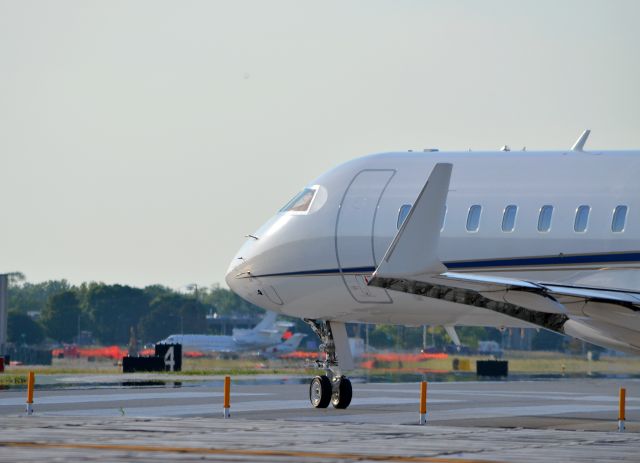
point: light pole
(366, 338)
(4, 313)
(191, 287)
(424, 338)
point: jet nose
(240, 268)
(233, 272)
(229, 279)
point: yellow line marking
(242, 452)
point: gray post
(4, 307)
(424, 338)
(366, 338)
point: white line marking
(67, 399)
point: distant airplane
(265, 334)
(286, 347)
(503, 238)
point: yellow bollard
(621, 409)
(465, 365)
(227, 396)
(31, 381)
(423, 402)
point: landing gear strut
(332, 387)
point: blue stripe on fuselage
(551, 260)
(627, 257)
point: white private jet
(286, 347)
(265, 334)
(505, 239)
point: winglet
(451, 331)
(579, 144)
(413, 250)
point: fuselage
(202, 342)
(222, 343)
(565, 216)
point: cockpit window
(301, 202)
(402, 214)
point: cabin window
(300, 202)
(582, 219)
(473, 218)
(509, 218)
(619, 219)
(402, 214)
(544, 219)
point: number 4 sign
(169, 359)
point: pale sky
(141, 140)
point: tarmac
(271, 420)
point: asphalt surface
(560, 420)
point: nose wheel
(331, 388)
(341, 397)
(323, 391)
(320, 392)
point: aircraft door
(354, 233)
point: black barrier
(492, 368)
(29, 356)
(168, 357)
(135, 364)
(171, 355)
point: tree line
(59, 311)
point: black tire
(320, 392)
(342, 398)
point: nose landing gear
(332, 387)
(323, 391)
